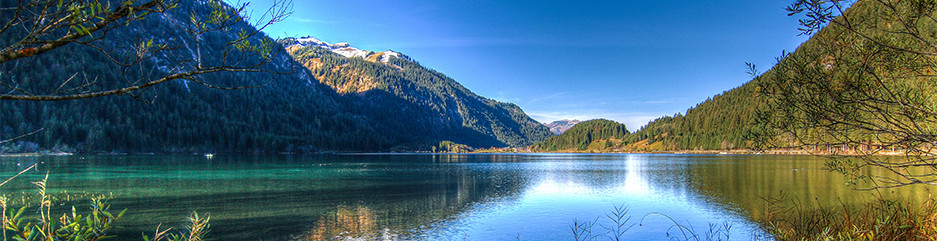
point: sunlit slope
(593, 135)
(731, 120)
(411, 104)
(720, 122)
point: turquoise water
(434, 197)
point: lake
(440, 197)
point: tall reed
(878, 220)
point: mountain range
(324, 97)
(327, 97)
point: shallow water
(441, 197)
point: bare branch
(861, 86)
(49, 24)
(22, 136)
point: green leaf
(32, 234)
(19, 213)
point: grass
(621, 222)
(43, 225)
(93, 226)
(196, 230)
(716, 232)
(879, 220)
(786, 220)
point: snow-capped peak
(349, 52)
(345, 49)
(387, 54)
(306, 41)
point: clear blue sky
(629, 61)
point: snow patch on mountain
(306, 41)
(387, 54)
(344, 49)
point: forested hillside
(593, 135)
(412, 104)
(853, 83)
(724, 121)
(289, 112)
(285, 110)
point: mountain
(290, 112)
(592, 135)
(411, 104)
(560, 126)
(722, 122)
(843, 71)
(411, 108)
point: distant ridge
(599, 135)
(560, 126)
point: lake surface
(440, 197)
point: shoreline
(37, 154)
(779, 152)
